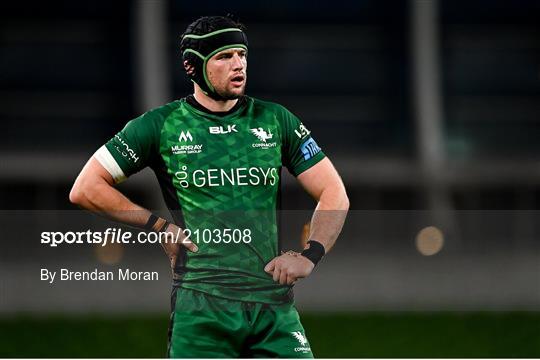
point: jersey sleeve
(132, 149)
(300, 151)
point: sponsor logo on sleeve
(309, 149)
(302, 131)
(125, 150)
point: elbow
(88, 188)
(81, 193)
(335, 198)
(76, 195)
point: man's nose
(238, 64)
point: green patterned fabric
(222, 175)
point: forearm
(326, 225)
(93, 190)
(329, 216)
(106, 200)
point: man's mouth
(238, 80)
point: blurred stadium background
(429, 109)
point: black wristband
(315, 252)
(151, 222)
(164, 227)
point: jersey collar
(200, 110)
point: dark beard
(231, 96)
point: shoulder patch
(309, 149)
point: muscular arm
(323, 183)
(93, 190)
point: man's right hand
(171, 246)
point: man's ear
(190, 69)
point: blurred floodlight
(429, 241)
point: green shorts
(204, 326)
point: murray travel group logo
(186, 137)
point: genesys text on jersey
(121, 236)
(242, 176)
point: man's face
(227, 72)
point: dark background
(71, 78)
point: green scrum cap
(198, 49)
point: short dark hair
(208, 24)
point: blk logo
(221, 130)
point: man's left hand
(289, 267)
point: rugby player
(217, 155)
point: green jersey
(220, 176)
